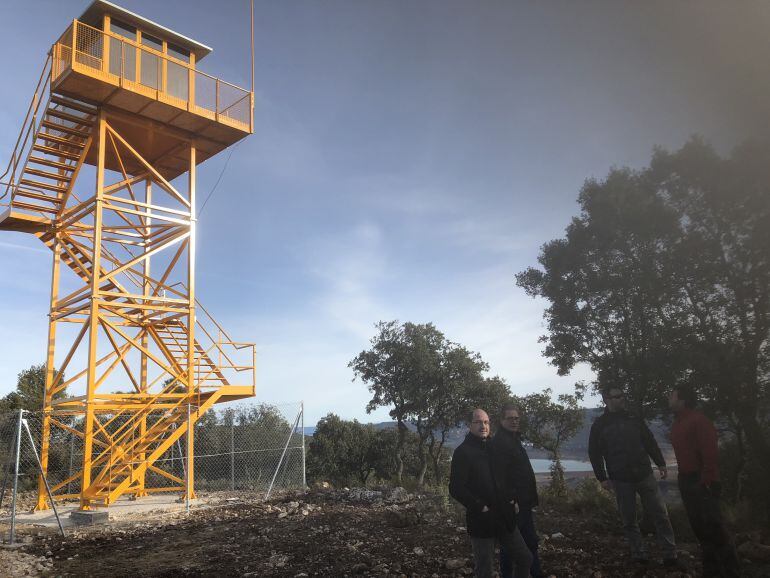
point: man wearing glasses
(624, 444)
(478, 484)
(511, 455)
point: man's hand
(485, 509)
(663, 472)
(515, 505)
(607, 485)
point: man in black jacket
(490, 513)
(512, 458)
(625, 445)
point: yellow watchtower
(104, 174)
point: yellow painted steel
(127, 243)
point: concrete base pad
(89, 517)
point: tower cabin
(129, 63)
(145, 77)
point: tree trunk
(400, 451)
(558, 485)
(755, 436)
(422, 452)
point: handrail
(95, 50)
(28, 124)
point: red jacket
(694, 438)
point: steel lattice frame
(92, 235)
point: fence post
(42, 475)
(232, 454)
(16, 478)
(72, 452)
(302, 431)
(283, 455)
(188, 478)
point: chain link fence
(256, 448)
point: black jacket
(473, 483)
(515, 467)
(625, 444)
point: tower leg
(93, 320)
(192, 388)
(50, 376)
(143, 384)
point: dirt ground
(322, 533)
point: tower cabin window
(151, 62)
(135, 55)
(122, 54)
(177, 77)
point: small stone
(557, 535)
(419, 551)
(454, 563)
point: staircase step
(35, 195)
(46, 186)
(47, 174)
(56, 152)
(60, 140)
(29, 207)
(69, 130)
(81, 120)
(52, 163)
(74, 104)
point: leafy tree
(389, 370)
(607, 286)
(426, 380)
(30, 390)
(341, 451)
(724, 213)
(548, 424)
(665, 277)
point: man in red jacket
(696, 447)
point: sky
(409, 158)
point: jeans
(652, 502)
(525, 520)
(702, 507)
(511, 543)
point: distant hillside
(575, 448)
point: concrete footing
(89, 517)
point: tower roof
(93, 16)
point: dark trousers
(525, 520)
(511, 543)
(702, 507)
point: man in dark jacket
(625, 445)
(695, 443)
(512, 458)
(489, 505)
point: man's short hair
(608, 388)
(509, 407)
(687, 394)
(470, 414)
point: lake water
(544, 466)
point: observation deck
(115, 59)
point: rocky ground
(330, 533)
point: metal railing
(152, 73)
(27, 133)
